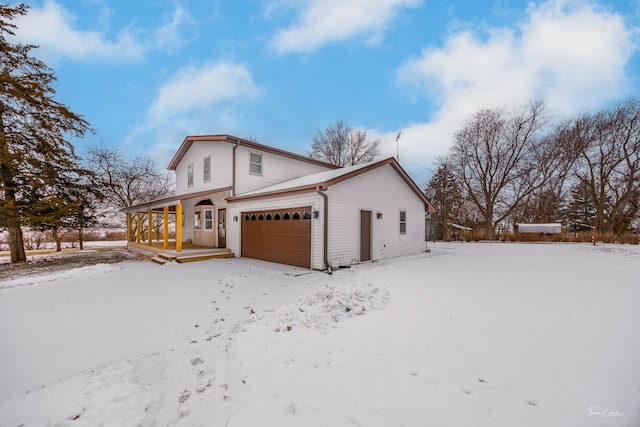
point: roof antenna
(398, 146)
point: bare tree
(127, 181)
(607, 146)
(342, 145)
(548, 203)
(500, 159)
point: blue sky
(147, 73)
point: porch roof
(173, 200)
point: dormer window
(255, 164)
(190, 175)
(206, 169)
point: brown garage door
(278, 235)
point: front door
(222, 228)
(365, 236)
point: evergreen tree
(35, 155)
(581, 212)
(447, 199)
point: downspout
(326, 228)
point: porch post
(129, 230)
(179, 226)
(138, 228)
(165, 245)
(150, 228)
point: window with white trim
(403, 222)
(197, 222)
(190, 175)
(206, 169)
(255, 164)
(208, 219)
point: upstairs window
(206, 169)
(255, 164)
(403, 222)
(190, 175)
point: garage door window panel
(287, 242)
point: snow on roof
(549, 228)
(308, 180)
(459, 227)
(327, 178)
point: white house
(262, 202)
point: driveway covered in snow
(470, 334)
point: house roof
(189, 140)
(173, 200)
(325, 179)
(307, 183)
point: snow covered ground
(470, 334)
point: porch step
(167, 257)
(202, 257)
(159, 260)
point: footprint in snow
(205, 380)
(184, 396)
(183, 408)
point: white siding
(308, 199)
(221, 154)
(188, 208)
(381, 190)
(275, 169)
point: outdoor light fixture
(316, 214)
(379, 215)
(235, 218)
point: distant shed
(549, 228)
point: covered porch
(141, 227)
(179, 228)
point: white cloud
(170, 36)
(201, 88)
(320, 22)
(51, 27)
(207, 99)
(571, 53)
